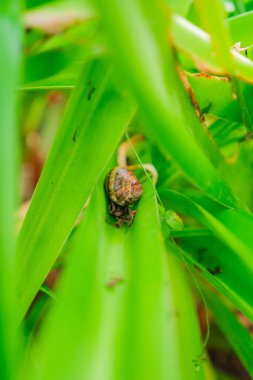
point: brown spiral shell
(122, 186)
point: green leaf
(231, 225)
(240, 28)
(92, 127)
(220, 266)
(215, 96)
(10, 47)
(233, 228)
(149, 65)
(212, 15)
(236, 334)
(37, 68)
(180, 7)
(173, 220)
(79, 35)
(64, 80)
(124, 307)
(239, 6)
(62, 33)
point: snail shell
(122, 186)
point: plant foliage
(164, 87)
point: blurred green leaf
(96, 117)
(212, 15)
(220, 266)
(124, 307)
(180, 7)
(62, 33)
(118, 304)
(231, 225)
(10, 43)
(241, 28)
(37, 67)
(215, 96)
(197, 43)
(173, 220)
(64, 80)
(35, 3)
(233, 228)
(237, 335)
(78, 35)
(144, 55)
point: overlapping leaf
(72, 170)
(123, 308)
(170, 120)
(233, 228)
(10, 41)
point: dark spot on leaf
(207, 108)
(198, 269)
(215, 270)
(74, 135)
(198, 362)
(173, 313)
(91, 92)
(247, 137)
(201, 252)
(114, 281)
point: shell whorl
(122, 186)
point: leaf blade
(118, 315)
(70, 173)
(143, 49)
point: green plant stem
(197, 43)
(211, 14)
(124, 305)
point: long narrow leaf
(212, 15)
(96, 117)
(149, 65)
(220, 266)
(123, 310)
(240, 28)
(237, 335)
(230, 226)
(10, 45)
